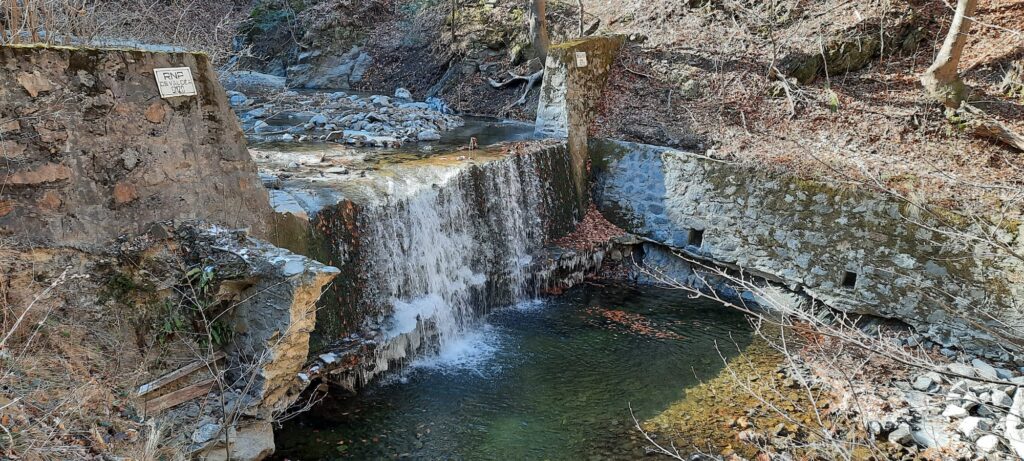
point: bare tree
(579, 5)
(539, 38)
(540, 41)
(942, 79)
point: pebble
(237, 99)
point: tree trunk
(539, 28)
(15, 22)
(942, 80)
(32, 12)
(579, 4)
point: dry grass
(194, 25)
(69, 370)
(871, 127)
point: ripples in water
(544, 380)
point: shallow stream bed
(552, 379)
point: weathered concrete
(274, 295)
(574, 79)
(91, 151)
(857, 251)
(477, 218)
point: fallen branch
(530, 80)
(988, 127)
(636, 72)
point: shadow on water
(548, 380)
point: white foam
(472, 351)
(531, 305)
(407, 315)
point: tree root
(985, 126)
(530, 80)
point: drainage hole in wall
(849, 280)
(696, 238)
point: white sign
(581, 59)
(175, 81)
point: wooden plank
(176, 375)
(180, 396)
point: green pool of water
(548, 380)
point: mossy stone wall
(855, 250)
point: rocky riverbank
(826, 400)
(354, 119)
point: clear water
(544, 380)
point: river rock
(237, 99)
(1001, 399)
(206, 432)
(987, 443)
(1015, 426)
(984, 370)
(318, 119)
(954, 411)
(924, 383)
(902, 435)
(971, 425)
(429, 135)
(923, 439)
(438, 105)
(262, 127)
(258, 112)
(961, 369)
(403, 94)
(414, 105)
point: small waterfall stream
(441, 253)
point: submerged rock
(429, 135)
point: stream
(441, 244)
(551, 379)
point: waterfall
(440, 252)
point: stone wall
(91, 151)
(855, 250)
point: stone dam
(358, 263)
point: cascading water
(439, 253)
